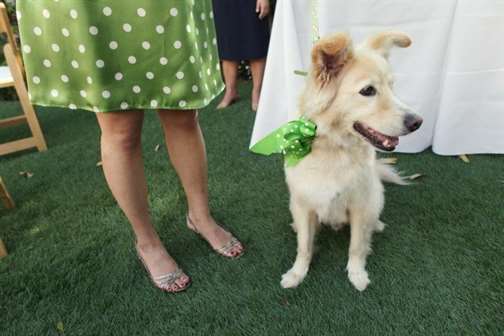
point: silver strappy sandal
(167, 282)
(232, 249)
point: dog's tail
(389, 174)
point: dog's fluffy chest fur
(330, 178)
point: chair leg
(3, 249)
(22, 92)
(5, 196)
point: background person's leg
(230, 71)
(257, 67)
(124, 171)
(186, 148)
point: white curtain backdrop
(452, 75)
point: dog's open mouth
(377, 139)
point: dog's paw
(380, 226)
(291, 280)
(360, 280)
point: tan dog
(349, 97)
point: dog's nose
(412, 122)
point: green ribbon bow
(293, 140)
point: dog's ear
(330, 54)
(383, 42)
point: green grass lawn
(437, 269)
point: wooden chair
(9, 204)
(13, 76)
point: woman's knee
(121, 132)
(187, 119)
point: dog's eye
(368, 91)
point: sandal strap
(168, 279)
(226, 249)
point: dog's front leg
(361, 229)
(306, 224)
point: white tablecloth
(452, 75)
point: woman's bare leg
(186, 148)
(124, 171)
(230, 70)
(257, 67)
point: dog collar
(293, 140)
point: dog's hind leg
(306, 225)
(379, 226)
(361, 230)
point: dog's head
(351, 90)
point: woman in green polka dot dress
(117, 58)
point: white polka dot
(146, 45)
(214, 41)
(180, 75)
(188, 28)
(96, 109)
(137, 89)
(163, 60)
(177, 44)
(149, 75)
(89, 80)
(113, 45)
(195, 88)
(118, 76)
(141, 12)
(54, 93)
(192, 59)
(65, 32)
(93, 30)
(132, 60)
(203, 16)
(106, 94)
(74, 14)
(82, 48)
(36, 79)
(27, 49)
(107, 11)
(154, 103)
(83, 93)
(124, 106)
(160, 29)
(205, 45)
(72, 107)
(55, 47)
(100, 63)
(64, 78)
(75, 64)
(208, 72)
(211, 15)
(18, 15)
(127, 27)
(46, 13)
(173, 12)
(37, 31)
(166, 90)
(47, 63)
(217, 67)
(182, 103)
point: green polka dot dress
(113, 55)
